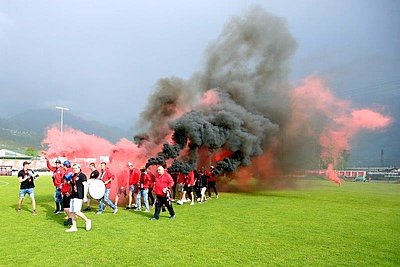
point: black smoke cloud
(246, 68)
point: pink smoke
(332, 175)
(314, 104)
(75, 144)
(210, 98)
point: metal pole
(62, 118)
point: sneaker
(88, 225)
(19, 210)
(115, 210)
(179, 202)
(68, 222)
(153, 219)
(56, 212)
(172, 217)
(147, 211)
(34, 212)
(217, 196)
(99, 212)
(128, 208)
(191, 203)
(87, 209)
(137, 209)
(72, 229)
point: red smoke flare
(332, 175)
(314, 106)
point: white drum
(97, 189)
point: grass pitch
(318, 224)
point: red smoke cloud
(75, 144)
(332, 175)
(317, 112)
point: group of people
(134, 185)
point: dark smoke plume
(245, 78)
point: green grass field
(318, 224)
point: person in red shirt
(181, 188)
(133, 179)
(189, 186)
(106, 176)
(122, 181)
(143, 190)
(151, 186)
(212, 183)
(162, 187)
(66, 198)
(58, 173)
(66, 190)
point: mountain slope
(28, 128)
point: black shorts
(188, 189)
(65, 201)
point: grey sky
(102, 58)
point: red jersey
(190, 179)
(181, 178)
(105, 176)
(163, 181)
(151, 180)
(144, 181)
(133, 176)
(58, 174)
(65, 187)
(212, 177)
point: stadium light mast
(62, 118)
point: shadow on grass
(25, 207)
(49, 211)
(144, 214)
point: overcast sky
(102, 59)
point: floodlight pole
(62, 118)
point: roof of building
(5, 153)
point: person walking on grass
(163, 185)
(94, 174)
(106, 176)
(212, 183)
(143, 190)
(122, 182)
(58, 173)
(79, 190)
(27, 186)
(133, 179)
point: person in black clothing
(204, 175)
(26, 178)
(212, 183)
(93, 176)
(78, 196)
(197, 183)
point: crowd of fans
(137, 188)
